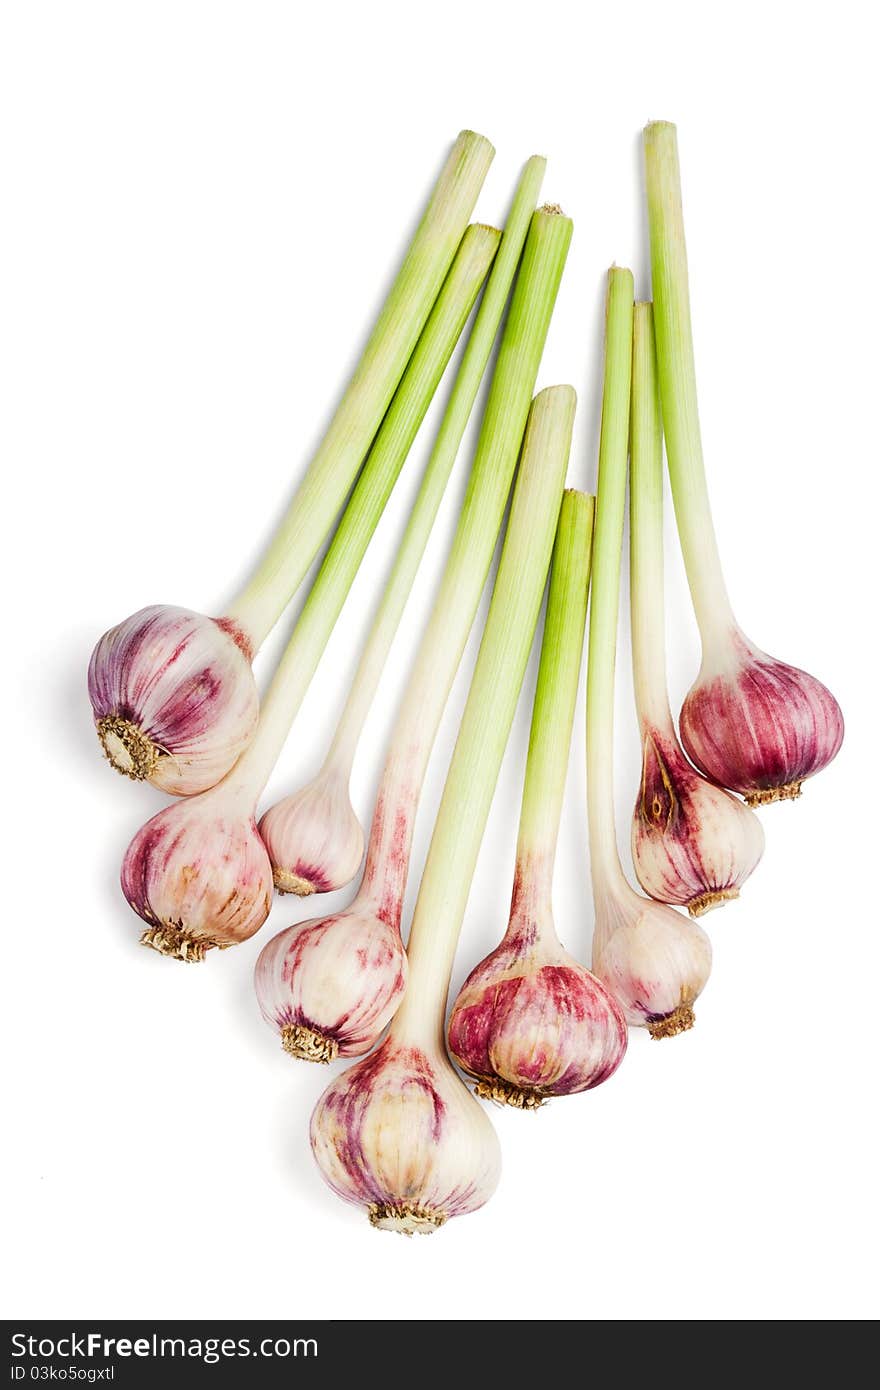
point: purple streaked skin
(693, 843)
(199, 876)
(179, 685)
(531, 1022)
(399, 1135)
(760, 727)
(339, 978)
(654, 960)
(313, 838)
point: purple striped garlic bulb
(399, 1135)
(758, 725)
(753, 724)
(653, 960)
(314, 838)
(530, 1022)
(199, 876)
(173, 697)
(693, 844)
(329, 987)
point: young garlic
(653, 960)
(172, 691)
(399, 1134)
(693, 844)
(198, 872)
(749, 722)
(530, 1021)
(312, 987)
(314, 838)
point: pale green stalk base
(678, 385)
(555, 695)
(371, 493)
(439, 467)
(605, 584)
(646, 532)
(473, 546)
(488, 715)
(333, 468)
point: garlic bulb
(654, 961)
(330, 986)
(313, 838)
(173, 697)
(757, 725)
(692, 843)
(199, 875)
(529, 1021)
(399, 1135)
(174, 702)
(751, 723)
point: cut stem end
(127, 748)
(308, 1045)
(505, 1093)
(287, 882)
(763, 796)
(705, 902)
(409, 1221)
(179, 944)
(670, 1025)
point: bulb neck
(387, 862)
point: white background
(203, 205)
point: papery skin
(313, 838)
(653, 960)
(330, 986)
(400, 1135)
(757, 725)
(199, 874)
(531, 1022)
(693, 844)
(182, 684)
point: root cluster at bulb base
(307, 1045)
(705, 902)
(764, 796)
(178, 944)
(670, 1025)
(127, 748)
(505, 1093)
(407, 1220)
(286, 882)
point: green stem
(678, 385)
(446, 633)
(333, 468)
(361, 516)
(439, 467)
(555, 697)
(646, 531)
(488, 715)
(605, 584)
